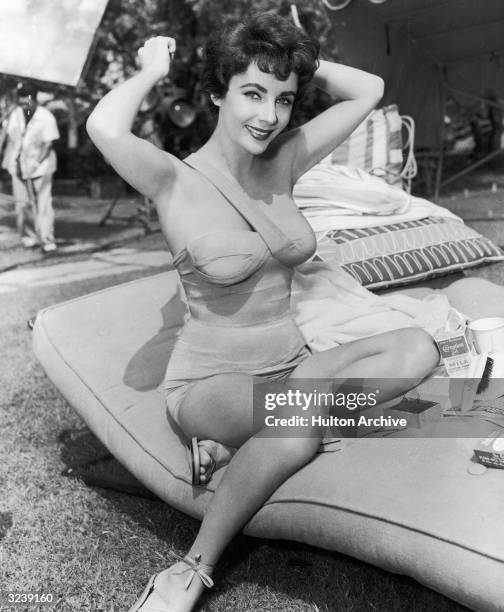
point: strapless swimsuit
(237, 285)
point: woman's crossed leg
(221, 408)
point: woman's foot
(176, 589)
(207, 456)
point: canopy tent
(426, 50)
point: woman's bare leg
(221, 408)
(394, 361)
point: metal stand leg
(108, 213)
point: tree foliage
(125, 27)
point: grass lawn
(94, 549)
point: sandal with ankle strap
(220, 455)
(158, 603)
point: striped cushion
(400, 253)
(375, 145)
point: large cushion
(409, 506)
(396, 254)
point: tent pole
(496, 52)
(470, 168)
(475, 97)
(439, 169)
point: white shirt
(26, 141)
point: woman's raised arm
(356, 92)
(140, 163)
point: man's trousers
(34, 209)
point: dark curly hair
(274, 43)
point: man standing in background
(31, 161)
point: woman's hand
(156, 54)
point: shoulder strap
(268, 230)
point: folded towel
(332, 308)
(350, 190)
(340, 197)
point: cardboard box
(455, 351)
(490, 451)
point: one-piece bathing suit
(237, 285)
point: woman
(235, 257)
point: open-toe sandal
(220, 455)
(151, 601)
